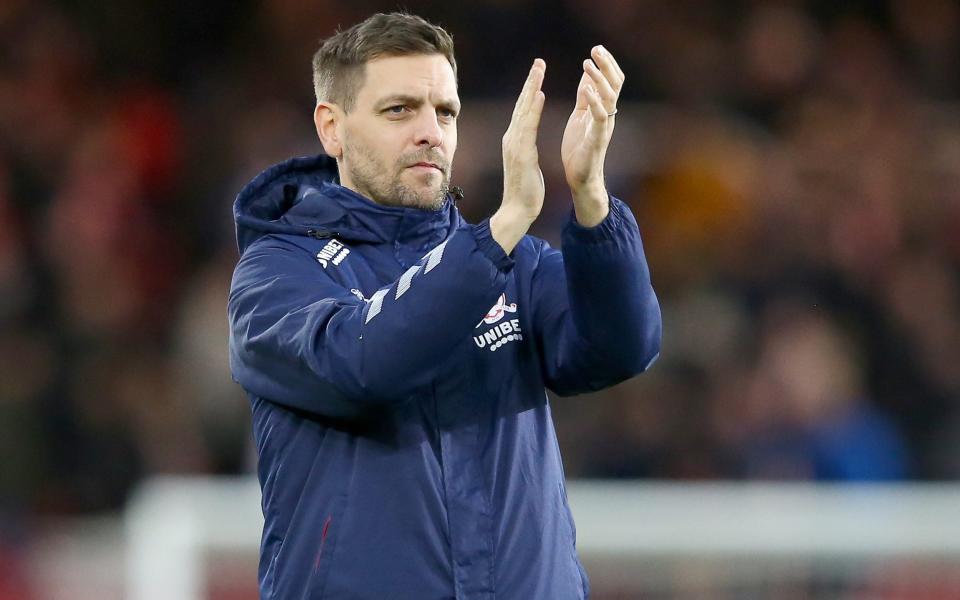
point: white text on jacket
(503, 333)
(335, 251)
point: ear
(328, 118)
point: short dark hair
(339, 65)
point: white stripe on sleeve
(434, 257)
(376, 304)
(405, 280)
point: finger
(536, 83)
(601, 84)
(524, 92)
(596, 106)
(531, 121)
(530, 87)
(608, 66)
(529, 117)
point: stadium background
(794, 166)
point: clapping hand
(588, 133)
(522, 179)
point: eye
(447, 113)
(397, 110)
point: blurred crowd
(794, 166)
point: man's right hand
(522, 179)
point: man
(396, 356)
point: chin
(430, 201)
(417, 196)
(427, 192)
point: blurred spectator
(201, 371)
(808, 417)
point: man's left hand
(588, 134)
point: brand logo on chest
(504, 331)
(333, 252)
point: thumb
(583, 99)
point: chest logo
(503, 331)
(333, 252)
(498, 311)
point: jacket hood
(302, 196)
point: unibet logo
(334, 252)
(503, 333)
(498, 311)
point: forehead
(417, 75)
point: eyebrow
(415, 102)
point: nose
(428, 132)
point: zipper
(322, 234)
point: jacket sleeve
(301, 339)
(596, 314)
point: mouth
(425, 165)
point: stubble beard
(374, 181)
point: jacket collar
(302, 196)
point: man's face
(400, 136)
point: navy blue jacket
(396, 361)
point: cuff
(609, 229)
(490, 248)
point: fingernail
(601, 50)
